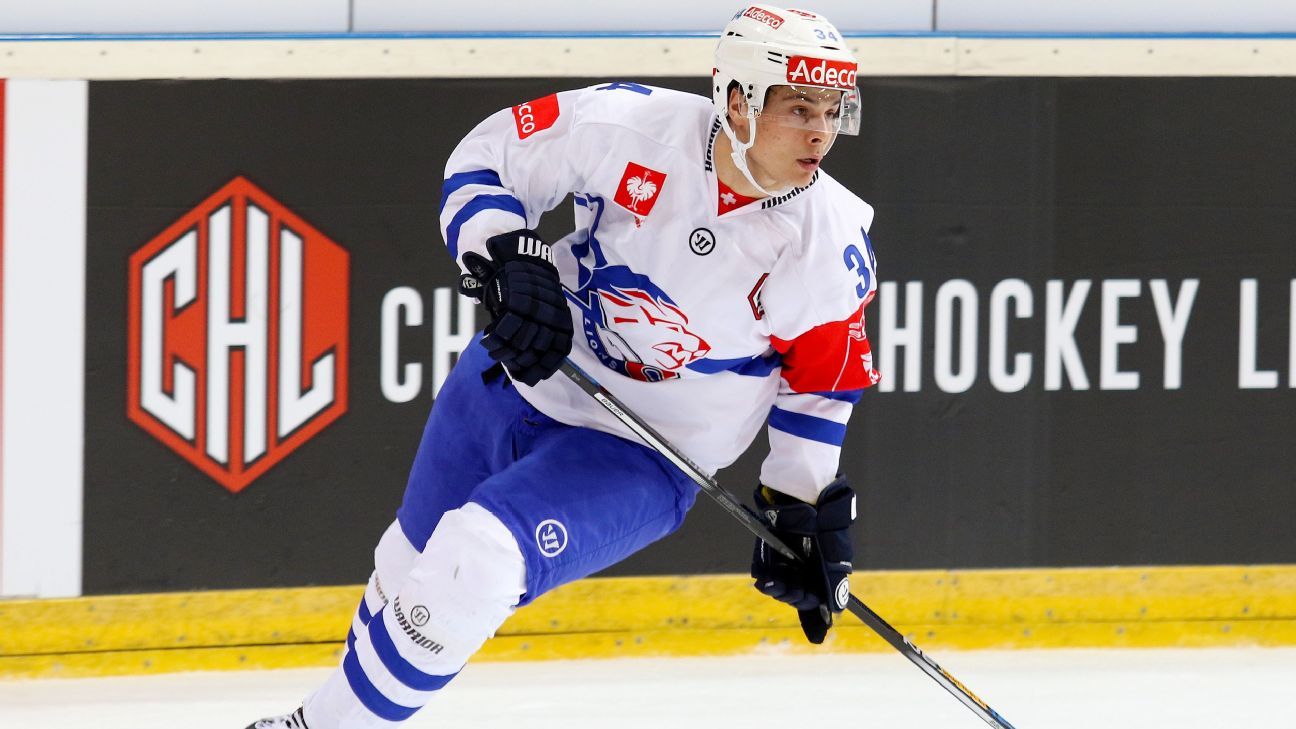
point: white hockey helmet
(764, 46)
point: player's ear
(737, 102)
(737, 109)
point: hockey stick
(754, 525)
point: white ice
(1053, 689)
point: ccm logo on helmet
(761, 15)
(535, 116)
(821, 72)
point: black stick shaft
(754, 525)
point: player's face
(793, 134)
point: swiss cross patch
(730, 200)
(536, 116)
(639, 189)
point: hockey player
(716, 282)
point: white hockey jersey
(707, 325)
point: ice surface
(1053, 689)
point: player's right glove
(531, 328)
(818, 585)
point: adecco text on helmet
(823, 72)
(761, 15)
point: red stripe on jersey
(832, 357)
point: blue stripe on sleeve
(365, 615)
(369, 695)
(808, 426)
(850, 396)
(397, 666)
(458, 180)
(507, 203)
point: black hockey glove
(818, 586)
(531, 329)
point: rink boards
(670, 616)
(1085, 325)
(1015, 179)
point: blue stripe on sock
(369, 695)
(808, 426)
(403, 670)
(458, 180)
(507, 203)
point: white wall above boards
(584, 15)
(42, 352)
(175, 16)
(1117, 16)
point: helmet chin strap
(739, 153)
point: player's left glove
(531, 328)
(818, 585)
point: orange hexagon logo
(238, 334)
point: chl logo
(238, 334)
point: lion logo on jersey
(634, 327)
